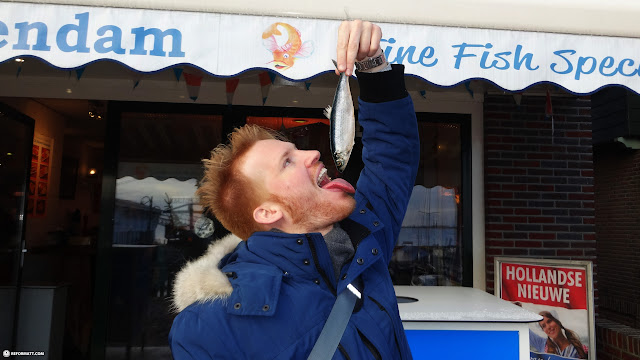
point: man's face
(293, 178)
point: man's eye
(287, 162)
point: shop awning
(226, 45)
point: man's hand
(357, 40)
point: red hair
(227, 193)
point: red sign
(545, 285)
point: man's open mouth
(323, 178)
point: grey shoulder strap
(337, 321)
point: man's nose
(311, 157)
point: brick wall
(539, 188)
(617, 175)
(617, 342)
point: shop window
(431, 245)
(158, 222)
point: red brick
(500, 194)
(494, 203)
(581, 196)
(499, 243)
(514, 187)
(500, 211)
(570, 252)
(586, 134)
(508, 227)
(514, 171)
(527, 211)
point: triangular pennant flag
(19, 70)
(231, 85)
(423, 93)
(265, 85)
(79, 72)
(517, 97)
(193, 78)
(282, 82)
(548, 111)
(177, 71)
(307, 85)
(467, 85)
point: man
(306, 237)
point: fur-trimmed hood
(201, 280)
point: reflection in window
(158, 222)
(429, 246)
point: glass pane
(158, 224)
(15, 155)
(429, 247)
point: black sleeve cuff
(382, 86)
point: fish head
(282, 60)
(341, 158)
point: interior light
(19, 60)
(9, 153)
(69, 91)
(92, 171)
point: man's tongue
(340, 184)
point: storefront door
(16, 138)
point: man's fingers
(376, 35)
(343, 41)
(354, 45)
(365, 41)
(356, 40)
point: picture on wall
(41, 154)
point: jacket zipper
(370, 346)
(394, 330)
(344, 352)
(316, 262)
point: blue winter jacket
(282, 286)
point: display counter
(443, 322)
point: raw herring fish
(342, 128)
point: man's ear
(268, 213)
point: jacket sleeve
(191, 339)
(391, 148)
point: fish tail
(335, 63)
(327, 111)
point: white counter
(463, 323)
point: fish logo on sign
(285, 44)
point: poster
(41, 153)
(559, 290)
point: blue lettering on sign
(23, 34)
(4, 30)
(586, 65)
(158, 35)
(425, 58)
(110, 38)
(491, 60)
(115, 39)
(81, 30)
